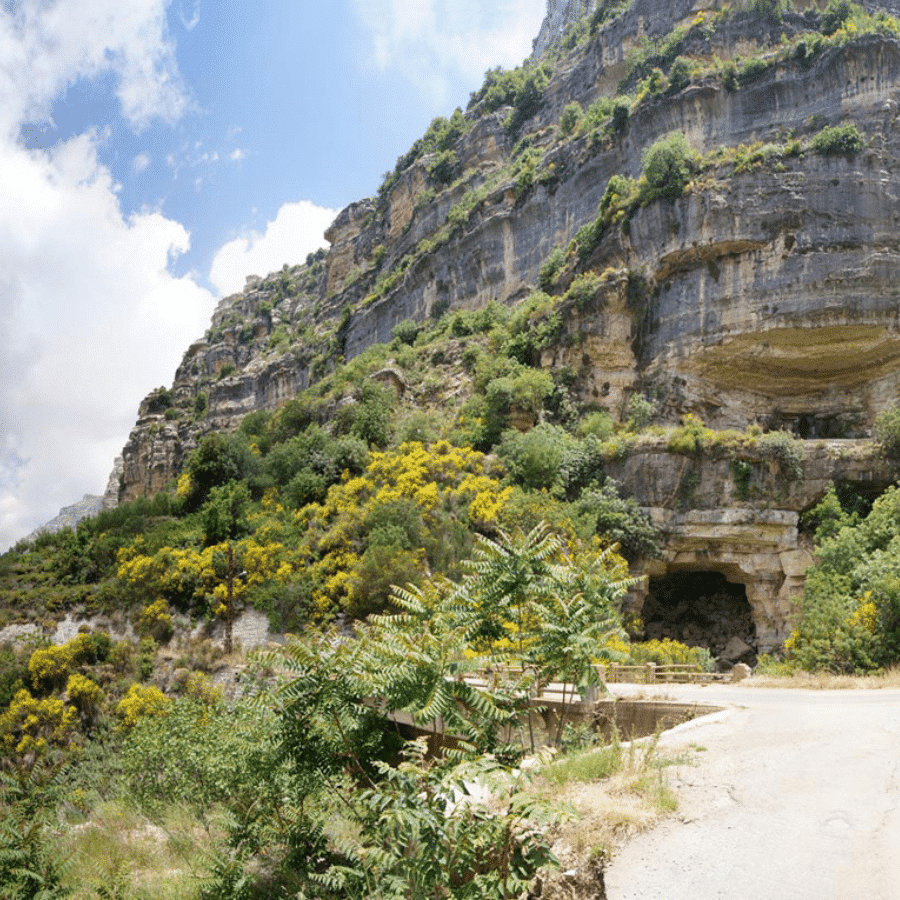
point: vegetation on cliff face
(520, 139)
(448, 457)
(850, 615)
(315, 509)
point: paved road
(796, 796)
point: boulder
(740, 672)
(736, 650)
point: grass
(828, 681)
(120, 854)
(618, 790)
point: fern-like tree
(575, 624)
(508, 577)
(411, 830)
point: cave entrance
(701, 609)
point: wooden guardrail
(653, 673)
(613, 673)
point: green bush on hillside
(886, 432)
(850, 617)
(668, 167)
(837, 140)
(836, 14)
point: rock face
(70, 516)
(766, 294)
(560, 15)
(738, 516)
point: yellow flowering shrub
(31, 725)
(866, 614)
(441, 482)
(141, 700)
(185, 485)
(201, 688)
(668, 652)
(156, 619)
(83, 693)
(437, 474)
(49, 667)
(171, 571)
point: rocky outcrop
(737, 513)
(70, 516)
(560, 15)
(765, 295)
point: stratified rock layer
(762, 296)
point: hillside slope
(747, 277)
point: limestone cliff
(765, 293)
(561, 14)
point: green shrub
(529, 98)
(550, 269)
(639, 412)
(201, 404)
(828, 517)
(587, 237)
(771, 10)
(753, 68)
(597, 423)
(583, 290)
(440, 137)
(679, 75)
(741, 474)
(407, 331)
(668, 166)
(787, 449)
(886, 432)
(730, 76)
(158, 401)
(570, 118)
(620, 520)
(29, 867)
(533, 459)
(837, 140)
(445, 167)
(582, 464)
(835, 15)
(690, 437)
(373, 414)
(218, 459)
(850, 619)
(620, 115)
(198, 755)
(224, 514)
(13, 672)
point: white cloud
(297, 230)
(430, 41)
(47, 45)
(189, 13)
(141, 163)
(92, 319)
(91, 316)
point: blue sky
(155, 152)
